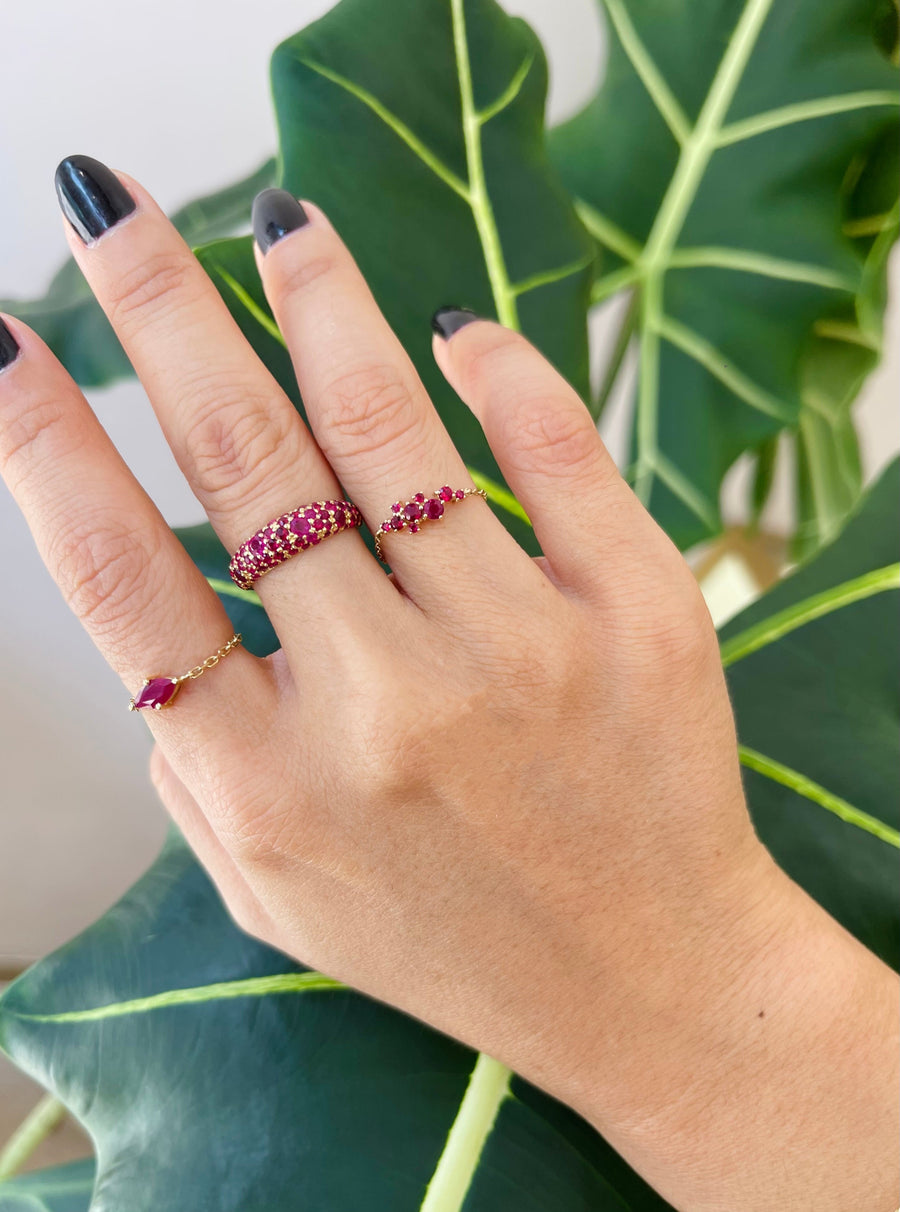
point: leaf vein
(256, 986)
(810, 790)
(803, 111)
(649, 74)
(720, 367)
(400, 129)
(815, 607)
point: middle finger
(241, 444)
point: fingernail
(9, 347)
(92, 197)
(448, 320)
(276, 213)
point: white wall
(175, 93)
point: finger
(184, 810)
(235, 434)
(545, 443)
(120, 568)
(365, 402)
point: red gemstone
(413, 528)
(156, 694)
(258, 544)
(396, 507)
(301, 526)
(446, 493)
(434, 508)
(420, 497)
(396, 523)
(413, 510)
(459, 494)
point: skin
(498, 793)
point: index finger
(120, 568)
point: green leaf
(204, 1063)
(418, 126)
(712, 169)
(812, 672)
(61, 1189)
(69, 318)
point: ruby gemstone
(301, 526)
(156, 694)
(420, 497)
(434, 509)
(414, 528)
(459, 494)
(446, 493)
(396, 523)
(258, 545)
(413, 510)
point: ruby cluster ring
(287, 536)
(413, 514)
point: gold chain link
(213, 660)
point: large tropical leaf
(61, 1189)
(813, 670)
(214, 1073)
(69, 318)
(418, 126)
(713, 169)
(205, 1064)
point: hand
(501, 794)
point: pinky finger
(545, 443)
(184, 810)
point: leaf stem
(31, 1132)
(814, 607)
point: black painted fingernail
(92, 197)
(9, 347)
(448, 320)
(276, 213)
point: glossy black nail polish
(276, 213)
(92, 197)
(448, 320)
(9, 347)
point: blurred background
(177, 95)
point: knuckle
(32, 436)
(296, 275)
(551, 435)
(234, 441)
(492, 363)
(104, 575)
(371, 408)
(155, 285)
(677, 638)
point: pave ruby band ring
(159, 691)
(412, 515)
(289, 535)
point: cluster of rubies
(412, 514)
(286, 536)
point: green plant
(207, 1065)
